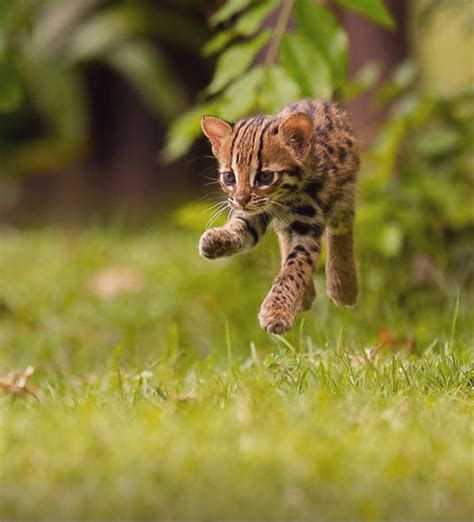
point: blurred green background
(100, 104)
(155, 394)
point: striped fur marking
(302, 194)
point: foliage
(432, 5)
(417, 178)
(157, 394)
(45, 49)
(415, 181)
(167, 401)
(309, 61)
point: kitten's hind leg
(342, 283)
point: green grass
(171, 403)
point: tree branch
(279, 31)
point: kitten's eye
(264, 178)
(228, 178)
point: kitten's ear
(217, 131)
(297, 131)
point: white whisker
(279, 211)
(216, 215)
(216, 204)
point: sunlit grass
(170, 403)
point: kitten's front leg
(238, 233)
(293, 289)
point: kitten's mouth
(252, 212)
(271, 208)
(249, 211)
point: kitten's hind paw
(343, 293)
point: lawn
(157, 396)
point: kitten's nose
(242, 199)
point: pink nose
(242, 199)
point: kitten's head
(260, 159)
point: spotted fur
(295, 171)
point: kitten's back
(335, 144)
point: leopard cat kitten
(295, 171)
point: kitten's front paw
(215, 243)
(275, 318)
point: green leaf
(229, 9)
(235, 61)
(320, 26)
(146, 68)
(373, 9)
(54, 24)
(388, 146)
(338, 57)
(105, 31)
(15, 19)
(179, 28)
(108, 24)
(391, 239)
(436, 143)
(365, 78)
(241, 97)
(58, 94)
(5, 8)
(246, 25)
(11, 93)
(185, 130)
(306, 66)
(218, 42)
(278, 90)
(250, 21)
(401, 79)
